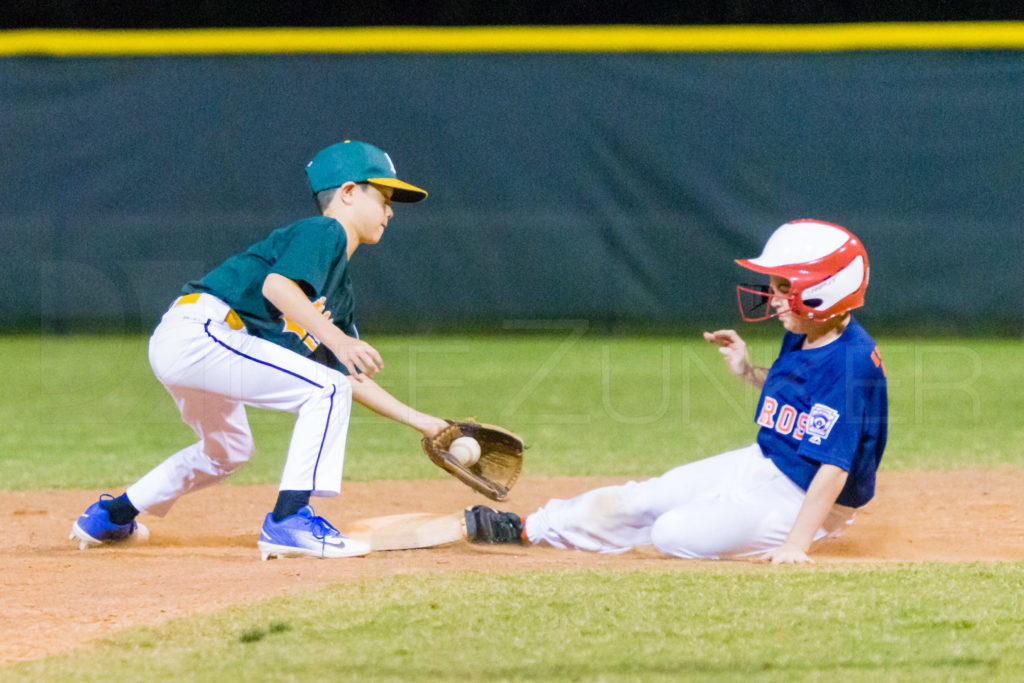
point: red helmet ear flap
(839, 292)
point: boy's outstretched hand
(732, 348)
(786, 555)
(358, 357)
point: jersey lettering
(309, 340)
(788, 422)
(801, 427)
(767, 416)
(876, 358)
(787, 416)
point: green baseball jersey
(312, 252)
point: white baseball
(466, 450)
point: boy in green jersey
(274, 327)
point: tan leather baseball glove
(500, 462)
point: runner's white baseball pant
(733, 504)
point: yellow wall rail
(513, 39)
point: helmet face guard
(825, 264)
(755, 302)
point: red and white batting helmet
(826, 265)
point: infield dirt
(202, 557)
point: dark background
(170, 14)
(610, 189)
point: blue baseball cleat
(94, 527)
(304, 533)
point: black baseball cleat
(484, 525)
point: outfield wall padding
(609, 188)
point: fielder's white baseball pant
(212, 371)
(729, 505)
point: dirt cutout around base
(202, 557)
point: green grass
(725, 622)
(85, 411)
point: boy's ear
(347, 191)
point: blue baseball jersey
(313, 253)
(827, 405)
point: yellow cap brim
(404, 192)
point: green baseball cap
(358, 162)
